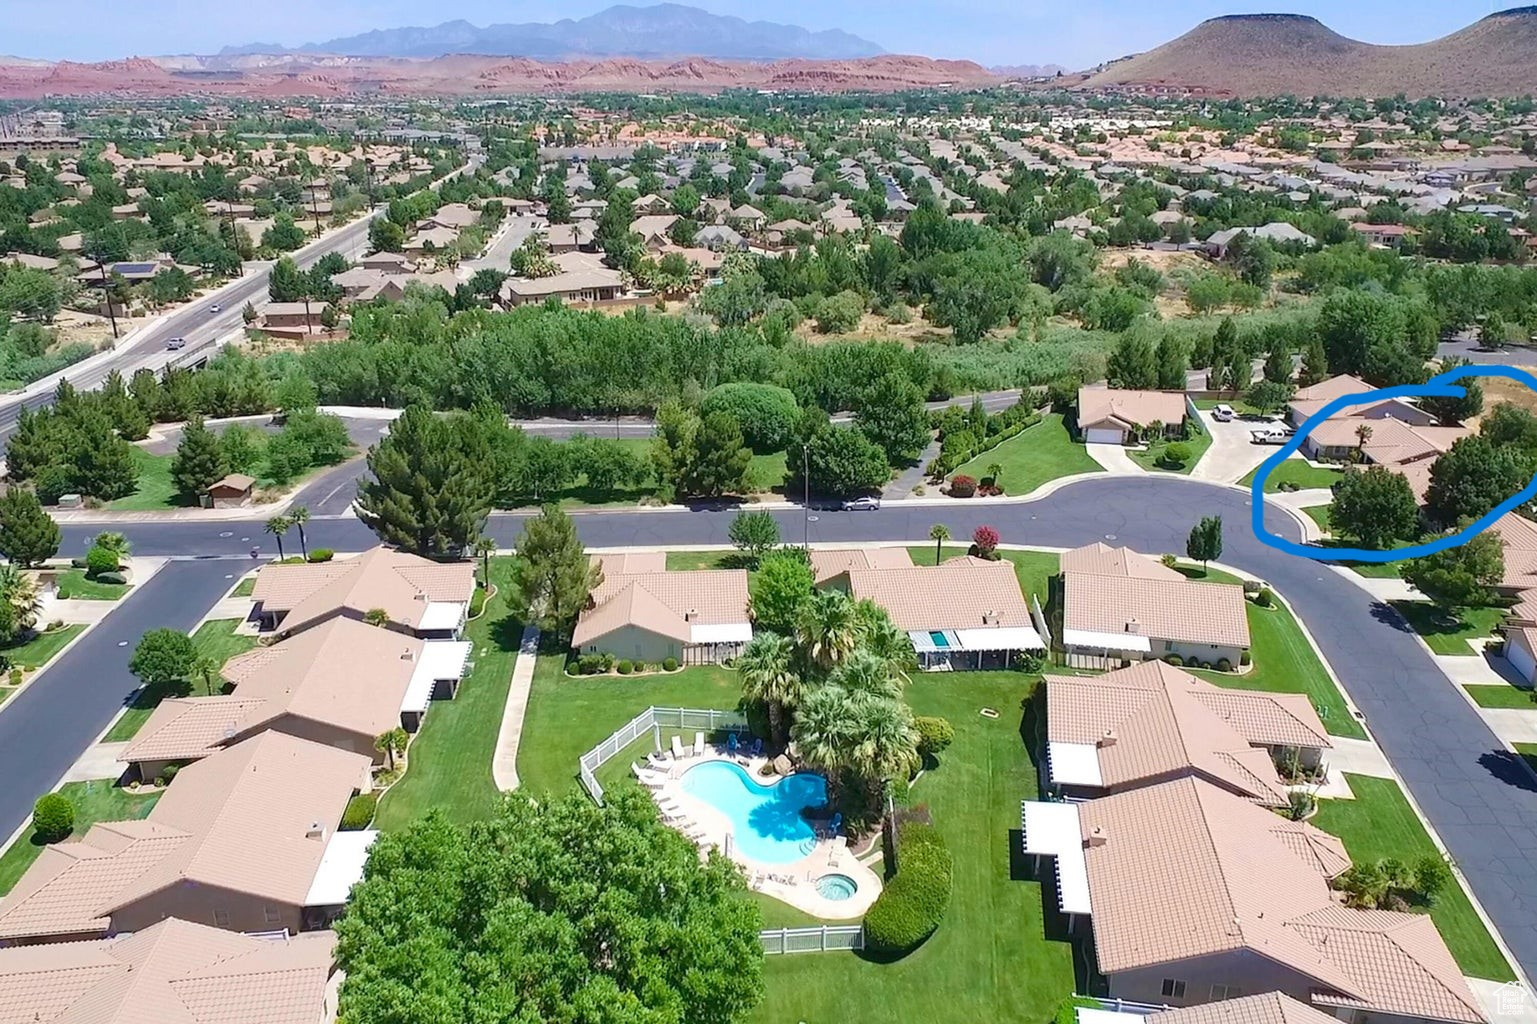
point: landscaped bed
(1448, 632)
(1155, 456)
(1033, 457)
(41, 648)
(94, 801)
(1379, 824)
(74, 585)
(1302, 474)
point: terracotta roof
(400, 583)
(1268, 1008)
(667, 603)
(623, 562)
(1206, 613)
(831, 562)
(186, 728)
(1099, 559)
(970, 594)
(1129, 408)
(1185, 869)
(174, 972)
(1520, 537)
(1392, 441)
(1334, 387)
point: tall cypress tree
(28, 535)
(199, 461)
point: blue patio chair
(832, 829)
(731, 743)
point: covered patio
(945, 650)
(1054, 830)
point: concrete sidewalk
(504, 764)
(1114, 459)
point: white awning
(721, 633)
(441, 659)
(1000, 638)
(928, 642)
(1074, 764)
(442, 615)
(341, 867)
(1106, 641)
(1053, 830)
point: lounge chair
(677, 749)
(757, 747)
(658, 758)
(698, 744)
(731, 744)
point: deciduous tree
(1376, 506)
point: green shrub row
(359, 812)
(914, 902)
(961, 447)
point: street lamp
(806, 501)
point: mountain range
(661, 30)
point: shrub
(100, 560)
(670, 665)
(625, 667)
(170, 773)
(934, 735)
(111, 577)
(15, 676)
(1299, 804)
(78, 563)
(1224, 665)
(63, 593)
(1176, 454)
(1245, 658)
(1169, 560)
(1264, 598)
(914, 902)
(359, 812)
(963, 486)
(53, 817)
(1175, 660)
(1431, 876)
(322, 555)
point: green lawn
(1238, 405)
(74, 586)
(1034, 456)
(1378, 824)
(244, 587)
(1319, 514)
(42, 648)
(1152, 457)
(714, 558)
(1528, 752)
(1501, 695)
(215, 639)
(1284, 662)
(1034, 568)
(1304, 474)
(1372, 570)
(449, 765)
(94, 801)
(992, 958)
(155, 491)
(1449, 633)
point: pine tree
(199, 462)
(1278, 364)
(28, 535)
(1315, 365)
(432, 484)
(552, 575)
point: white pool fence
(823, 939)
(654, 720)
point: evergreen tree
(28, 535)
(1173, 364)
(1132, 364)
(286, 282)
(1205, 542)
(432, 483)
(1278, 364)
(552, 576)
(199, 461)
(1315, 364)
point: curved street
(1478, 797)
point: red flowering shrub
(962, 486)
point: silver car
(865, 504)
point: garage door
(1520, 660)
(1105, 435)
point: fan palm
(938, 533)
(822, 733)
(866, 674)
(887, 743)
(23, 603)
(880, 636)
(766, 669)
(297, 517)
(828, 629)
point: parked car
(176, 344)
(1222, 413)
(1271, 435)
(865, 504)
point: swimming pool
(766, 822)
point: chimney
(1133, 626)
(315, 831)
(691, 615)
(407, 655)
(1096, 837)
(1108, 739)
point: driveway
(1231, 455)
(1114, 459)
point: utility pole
(106, 292)
(806, 501)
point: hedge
(321, 555)
(960, 448)
(359, 812)
(914, 902)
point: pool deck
(793, 883)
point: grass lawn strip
(74, 586)
(215, 639)
(1501, 695)
(156, 489)
(1449, 632)
(1528, 752)
(1151, 457)
(1301, 472)
(42, 648)
(1380, 823)
(244, 588)
(1033, 457)
(94, 801)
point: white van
(1222, 413)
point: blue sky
(1076, 34)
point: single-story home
(1305, 402)
(1408, 450)
(1152, 722)
(582, 278)
(245, 839)
(1119, 607)
(341, 683)
(1265, 1008)
(577, 236)
(1387, 236)
(1196, 895)
(642, 612)
(1118, 416)
(434, 238)
(173, 971)
(831, 566)
(388, 262)
(967, 613)
(1520, 537)
(1276, 232)
(418, 596)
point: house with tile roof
(1265, 1008)
(173, 972)
(1152, 722)
(1119, 416)
(246, 839)
(1119, 607)
(643, 612)
(831, 566)
(419, 597)
(1196, 895)
(341, 683)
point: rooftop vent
(1133, 626)
(315, 831)
(1108, 739)
(1096, 837)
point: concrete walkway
(98, 762)
(1114, 459)
(902, 487)
(504, 764)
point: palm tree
(938, 533)
(995, 470)
(866, 674)
(18, 590)
(207, 669)
(887, 744)
(880, 637)
(822, 733)
(389, 744)
(828, 629)
(485, 547)
(277, 526)
(376, 616)
(114, 542)
(766, 669)
(298, 517)
(1363, 435)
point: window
(1173, 989)
(220, 917)
(1226, 992)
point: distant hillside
(663, 30)
(1275, 54)
(1028, 70)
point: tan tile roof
(830, 562)
(970, 594)
(1268, 1008)
(666, 603)
(1334, 387)
(186, 728)
(1185, 869)
(632, 562)
(174, 972)
(1520, 537)
(1099, 559)
(1129, 408)
(400, 583)
(1206, 613)
(1392, 442)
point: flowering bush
(962, 486)
(986, 540)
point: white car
(215, 308)
(865, 504)
(176, 344)
(1222, 413)
(1271, 435)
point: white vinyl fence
(654, 720)
(813, 940)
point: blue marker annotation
(1439, 385)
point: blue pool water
(766, 821)
(837, 887)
